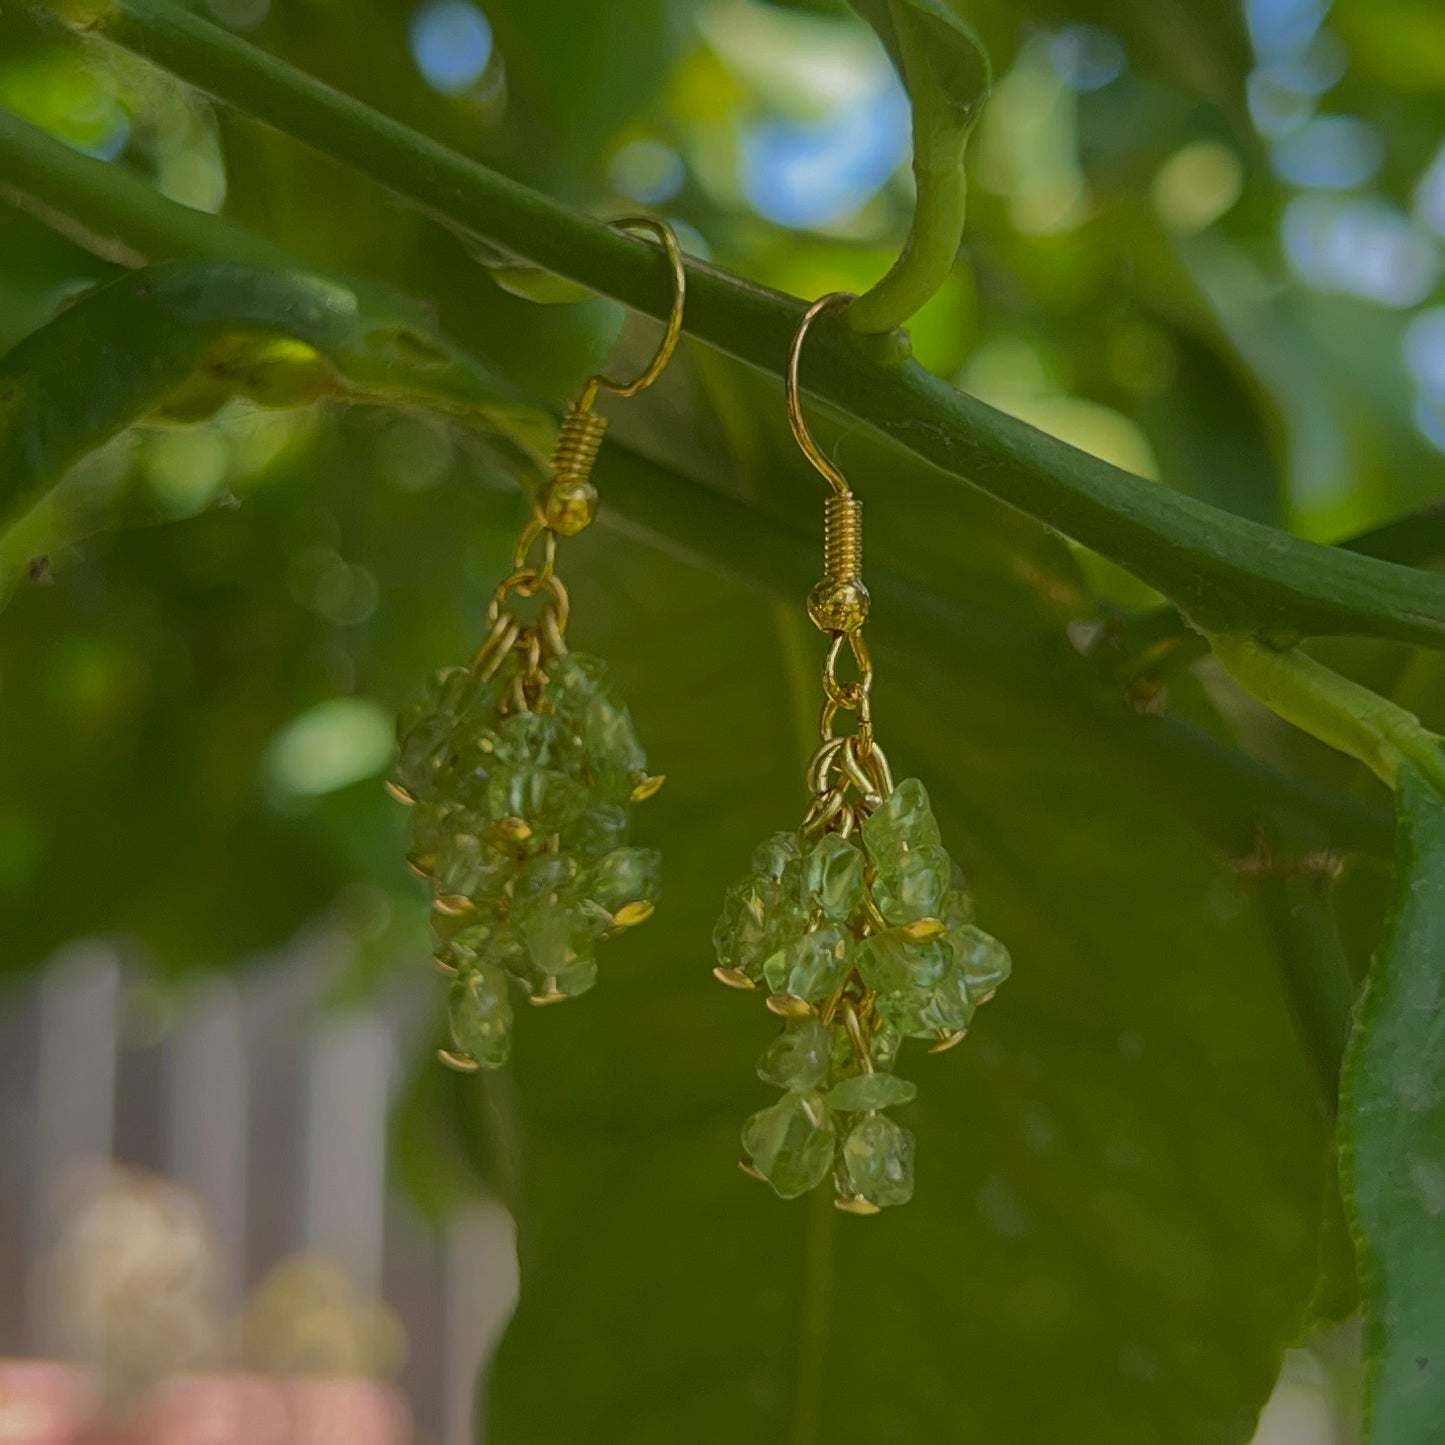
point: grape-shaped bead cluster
(519, 826)
(860, 948)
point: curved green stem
(925, 261)
(1332, 708)
(1228, 574)
(939, 139)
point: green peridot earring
(520, 770)
(859, 924)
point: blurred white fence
(246, 1129)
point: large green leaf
(1089, 1213)
(1393, 1137)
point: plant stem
(1223, 792)
(941, 202)
(1161, 634)
(1228, 574)
(111, 212)
(923, 265)
(1332, 708)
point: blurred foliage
(1169, 262)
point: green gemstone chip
(791, 1143)
(798, 1059)
(901, 824)
(863, 1092)
(480, 1015)
(877, 1160)
(833, 877)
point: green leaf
(1086, 1213)
(1393, 1136)
(185, 336)
(946, 70)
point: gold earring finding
(521, 769)
(858, 924)
(570, 501)
(839, 603)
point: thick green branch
(1226, 573)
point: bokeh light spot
(332, 745)
(1277, 109)
(1319, 67)
(194, 177)
(1087, 57)
(451, 42)
(1283, 27)
(812, 173)
(1430, 194)
(413, 453)
(1361, 247)
(324, 582)
(1429, 413)
(1423, 346)
(647, 171)
(186, 468)
(1330, 152)
(1197, 185)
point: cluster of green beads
(519, 825)
(860, 948)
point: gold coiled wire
(843, 538)
(578, 442)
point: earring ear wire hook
(666, 237)
(839, 603)
(569, 501)
(833, 301)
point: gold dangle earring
(519, 771)
(859, 924)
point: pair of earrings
(520, 771)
